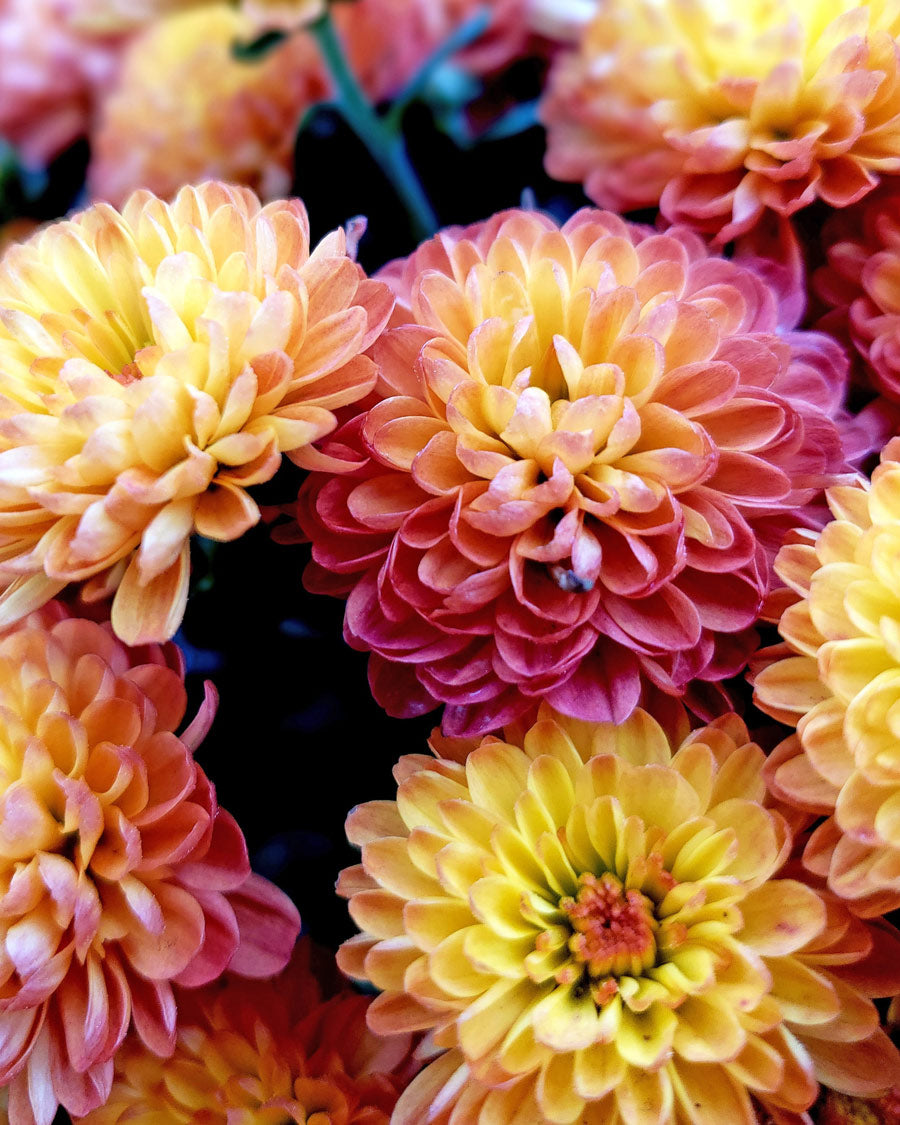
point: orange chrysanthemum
(153, 365)
(583, 438)
(185, 109)
(861, 284)
(838, 680)
(588, 918)
(51, 76)
(276, 1051)
(720, 112)
(119, 874)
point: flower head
(276, 1050)
(838, 680)
(719, 112)
(860, 282)
(119, 874)
(184, 109)
(153, 365)
(51, 76)
(583, 439)
(594, 922)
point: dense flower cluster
(838, 680)
(718, 113)
(277, 1050)
(584, 438)
(592, 922)
(119, 874)
(153, 365)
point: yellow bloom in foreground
(838, 680)
(589, 921)
(153, 365)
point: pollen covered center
(613, 930)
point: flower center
(613, 929)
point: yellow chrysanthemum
(184, 109)
(838, 681)
(721, 111)
(153, 365)
(588, 920)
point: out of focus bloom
(562, 20)
(119, 874)
(285, 14)
(584, 439)
(267, 1051)
(838, 680)
(840, 1109)
(718, 112)
(121, 15)
(51, 77)
(185, 109)
(153, 365)
(590, 920)
(862, 284)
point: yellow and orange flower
(720, 112)
(837, 679)
(153, 365)
(585, 438)
(270, 1051)
(860, 283)
(52, 76)
(595, 922)
(184, 109)
(119, 874)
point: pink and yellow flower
(837, 679)
(119, 874)
(861, 284)
(154, 364)
(184, 109)
(270, 1051)
(585, 438)
(52, 76)
(721, 112)
(595, 922)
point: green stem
(385, 145)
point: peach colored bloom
(861, 284)
(585, 437)
(718, 112)
(837, 679)
(185, 110)
(119, 874)
(51, 77)
(270, 1051)
(153, 365)
(590, 920)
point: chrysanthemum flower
(119, 874)
(583, 437)
(184, 109)
(270, 1051)
(51, 77)
(838, 680)
(589, 920)
(862, 284)
(718, 112)
(153, 365)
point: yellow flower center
(613, 928)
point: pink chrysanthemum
(119, 874)
(285, 1050)
(51, 76)
(721, 112)
(583, 440)
(862, 284)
